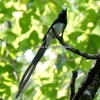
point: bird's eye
(61, 12)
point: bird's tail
(31, 67)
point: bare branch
(76, 51)
(72, 84)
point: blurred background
(23, 24)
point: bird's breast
(58, 29)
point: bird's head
(62, 13)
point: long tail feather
(31, 68)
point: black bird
(58, 25)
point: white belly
(58, 29)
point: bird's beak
(65, 9)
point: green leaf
(24, 45)
(34, 37)
(94, 43)
(10, 36)
(25, 22)
(48, 90)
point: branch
(76, 51)
(91, 90)
(88, 79)
(72, 84)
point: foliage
(28, 23)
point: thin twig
(4, 41)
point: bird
(58, 26)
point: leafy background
(29, 21)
